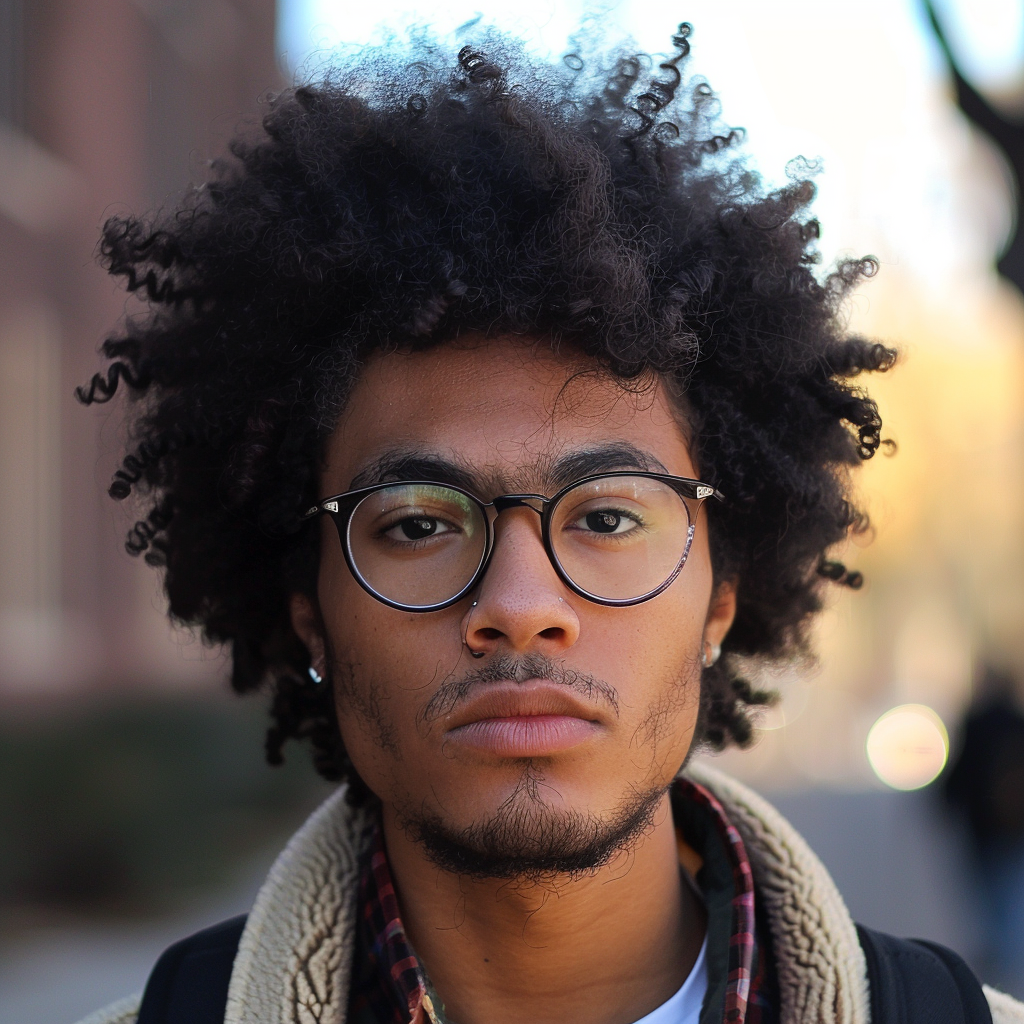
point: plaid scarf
(390, 986)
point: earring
(712, 652)
(315, 676)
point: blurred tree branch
(1006, 132)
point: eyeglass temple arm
(327, 506)
(696, 489)
(332, 505)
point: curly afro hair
(399, 205)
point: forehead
(509, 408)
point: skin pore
(607, 944)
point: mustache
(503, 668)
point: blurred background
(134, 802)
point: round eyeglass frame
(341, 507)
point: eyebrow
(414, 464)
(603, 458)
(419, 464)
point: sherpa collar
(294, 959)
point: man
(494, 416)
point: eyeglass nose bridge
(507, 501)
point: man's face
(613, 691)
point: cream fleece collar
(294, 959)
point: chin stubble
(529, 841)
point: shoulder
(188, 984)
(190, 980)
(299, 932)
(1005, 1009)
(823, 959)
(124, 1011)
(913, 979)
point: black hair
(598, 205)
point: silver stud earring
(712, 652)
(315, 676)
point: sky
(989, 33)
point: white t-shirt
(684, 1006)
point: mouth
(531, 719)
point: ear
(306, 623)
(721, 612)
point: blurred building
(106, 106)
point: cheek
(668, 721)
(384, 664)
(661, 637)
(358, 627)
(655, 649)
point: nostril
(552, 633)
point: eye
(418, 528)
(606, 521)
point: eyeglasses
(613, 538)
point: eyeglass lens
(617, 538)
(620, 537)
(417, 544)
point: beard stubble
(525, 839)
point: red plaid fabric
(743, 932)
(389, 985)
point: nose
(521, 604)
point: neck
(606, 948)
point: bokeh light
(907, 747)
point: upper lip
(520, 700)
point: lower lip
(524, 736)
